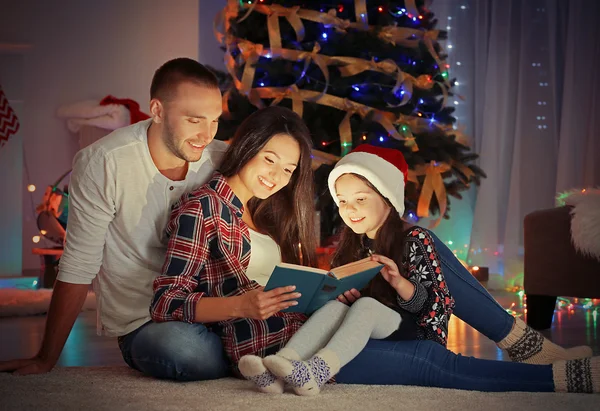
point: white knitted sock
(581, 375)
(253, 369)
(524, 344)
(305, 377)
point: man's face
(190, 120)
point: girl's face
(272, 167)
(361, 207)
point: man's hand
(28, 366)
(65, 306)
(349, 296)
(260, 305)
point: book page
(303, 268)
(355, 267)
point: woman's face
(361, 207)
(272, 167)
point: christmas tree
(357, 71)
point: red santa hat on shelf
(385, 168)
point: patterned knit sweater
(431, 305)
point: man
(121, 192)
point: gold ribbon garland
(280, 93)
(308, 57)
(411, 7)
(250, 53)
(433, 184)
(360, 9)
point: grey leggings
(344, 330)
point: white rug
(16, 302)
(120, 388)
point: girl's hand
(349, 296)
(391, 274)
(390, 271)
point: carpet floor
(120, 388)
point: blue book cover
(320, 286)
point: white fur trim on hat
(383, 175)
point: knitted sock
(253, 369)
(581, 376)
(305, 377)
(524, 344)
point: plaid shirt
(208, 254)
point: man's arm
(66, 303)
(91, 209)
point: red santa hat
(385, 168)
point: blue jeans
(428, 364)
(473, 304)
(176, 351)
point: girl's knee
(366, 303)
(335, 305)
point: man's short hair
(179, 70)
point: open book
(320, 286)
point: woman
(257, 201)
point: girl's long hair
(389, 242)
(288, 216)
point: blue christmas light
(421, 101)
(262, 84)
(356, 88)
(381, 139)
(324, 35)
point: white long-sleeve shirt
(119, 205)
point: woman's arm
(176, 290)
(181, 292)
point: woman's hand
(260, 305)
(349, 296)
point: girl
(368, 185)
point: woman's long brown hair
(388, 242)
(288, 216)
